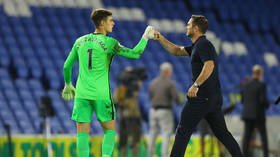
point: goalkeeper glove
(68, 92)
(149, 33)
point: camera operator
(126, 97)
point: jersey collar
(202, 36)
(96, 33)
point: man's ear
(102, 23)
(197, 28)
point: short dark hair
(98, 15)
(201, 22)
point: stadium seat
(56, 126)
(21, 84)
(9, 119)
(4, 74)
(31, 105)
(24, 121)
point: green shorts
(83, 109)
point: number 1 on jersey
(89, 59)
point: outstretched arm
(134, 53)
(137, 51)
(171, 47)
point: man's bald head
(257, 71)
(166, 69)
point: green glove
(68, 92)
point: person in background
(126, 99)
(204, 130)
(254, 99)
(162, 93)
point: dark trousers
(129, 126)
(250, 125)
(191, 114)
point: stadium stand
(36, 38)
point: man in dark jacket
(255, 103)
(204, 95)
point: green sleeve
(68, 64)
(134, 53)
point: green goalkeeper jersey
(95, 52)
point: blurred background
(37, 35)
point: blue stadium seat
(25, 94)
(31, 105)
(11, 95)
(5, 60)
(35, 69)
(36, 89)
(56, 126)
(4, 74)
(96, 127)
(35, 84)
(69, 126)
(20, 67)
(21, 84)
(24, 121)
(2, 129)
(9, 119)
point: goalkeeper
(95, 52)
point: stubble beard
(190, 35)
